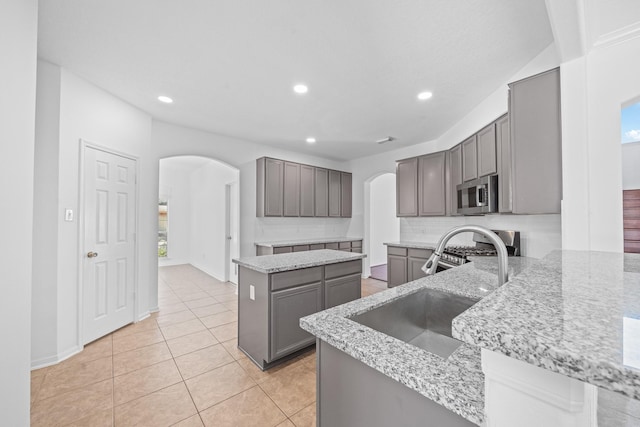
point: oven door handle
(445, 264)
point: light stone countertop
(457, 382)
(577, 313)
(310, 241)
(412, 245)
(296, 260)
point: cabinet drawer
(331, 246)
(316, 246)
(345, 245)
(356, 244)
(282, 250)
(300, 248)
(342, 269)
(358, 250)
(288, 279)
(342, 290)
(394, 250)
(420, 253)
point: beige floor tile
(172, 308)
(201, 302)
(225, 332)
(173, 318)
(168, 300)
(36, 383)
(227, 297)
(144, 381)
(72, 406)
(249, 408)
(286, 423)
(232, 347)
(137, 340)
(222, 290)
(103, 418)
(258, 375)
(291, 389)
(193, 421)
(75, 376)
(144, 325)
(215, 386)
(219, 319)
(180, 329)
(306, 417)
(209, 310)
(201, 361)
(140, 358)
(192, 342)
(98, 349)
(161, 408)
(199, 294)
(231, 305)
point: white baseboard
(202, 268)
(55, 359)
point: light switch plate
(68, 214)
(252, 292)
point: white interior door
(108, 292)
(232, 247)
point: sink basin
(422, 319)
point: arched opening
(198, 215)
(381, 223)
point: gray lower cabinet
(431, 184)
(405, 264)
(353, 394)
(270, 306)
(282, 250)
(287, 307)
(536, 144)
(407, 187)
(335, 193)
(470, 159)
(348, 246)
(322, 192)
(291, 194)
(307, 191)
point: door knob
(92, 254)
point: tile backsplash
(277, 229)
(539, 234)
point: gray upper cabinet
(295, 190)
(346, 194)
(455, 178)
(407, 187)
(470, 159)
(270, 187)
(291, 189)
(504, 164)
(431, 184)
(536, 144)
(335, 193)
(307, 190)
(487, 163)
(322, 192)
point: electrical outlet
(252, 292)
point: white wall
(631, 166)
(384, 226)
(89, 113)
(18, 20)
(172, 140)
(175, 186)
(208, 217)
(533, 228)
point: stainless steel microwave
(479, 196)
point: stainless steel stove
(454, 256)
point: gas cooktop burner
(464, 251)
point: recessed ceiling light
(424, 95)
(311, 140)
(300, 88)
(165, 99)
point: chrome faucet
(431, 265)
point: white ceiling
(230, 65)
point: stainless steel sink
(422, 319)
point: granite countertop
(457, 382)
(576, 313)
(413, 245)
(310, 241)
(296, 260)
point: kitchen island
(275, 291)
(572, 314)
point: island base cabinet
(353, 394)
(342, 290)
